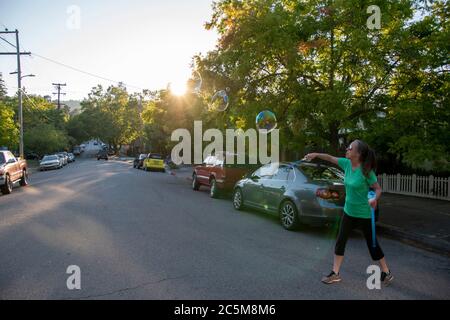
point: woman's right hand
(310, 156)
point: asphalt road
(141, 235)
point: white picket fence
(419, 186)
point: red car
(12, 170)
(217, 175)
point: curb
(435, 245)
(32, 170)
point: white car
(63, 158)
(50, 162)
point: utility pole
(59, 93)
(19, 84)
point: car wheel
(8, 186)
(214, 191)
(195, 184)
(289, 215)
(24, 180)
(238, 199)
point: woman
(359, 165)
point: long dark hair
(367, 157)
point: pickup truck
(12, 170)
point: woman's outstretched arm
(323, 156)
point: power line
(3, 45)
(82, 71)
(35, 106)
(77, 69)
(8, 42)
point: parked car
(139, 161)
(219, 176)
(102, 154)
(76, 150)
(64, 158)
(12, 170)
(154, 161)
(298, 192)
(50, 162)
(71, 157)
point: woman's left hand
(373, 203)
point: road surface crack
(127, 289)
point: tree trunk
(334, 138)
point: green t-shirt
(356, 189)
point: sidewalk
(417, 221)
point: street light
(19, 94)
(28, 75)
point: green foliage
(328, 78)
(9, 133)
(111, 115)
(45, 139)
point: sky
(144, 43)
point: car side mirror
(254, 178)
(11, 161)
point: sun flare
(178, 88)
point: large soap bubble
(220, 100)
(197, 83)
(266, 120)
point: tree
(45, 139)
(2, 87)
(9, 132)
(111, 115)
(321, 70)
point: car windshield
(50, 158)
(142, 156)
(155, 156)
(2, 158)
(321, 172)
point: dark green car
(299, 192)
(102, 154)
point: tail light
(327, 194)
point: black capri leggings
(349, 223)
